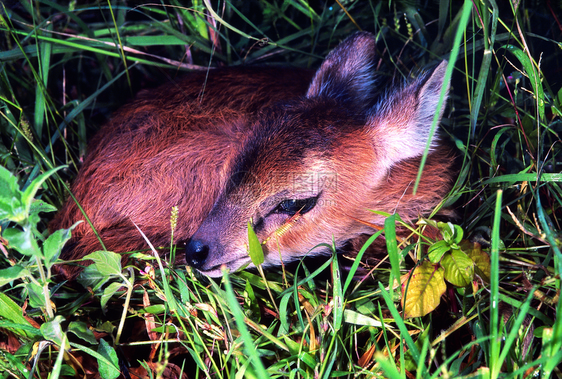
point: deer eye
(292, 206)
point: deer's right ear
(347, 73)
(400, 124)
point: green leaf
(251, 305)
(10, 274)
(91, 277)
(437, 250)
(107, 262)
(459, 268)
(352, 317)
(106, 265)
(37, 206)
(156, 309)
(52, 330)
(458, 234)
(108, 368)
(9, 188)
(40, 206)
(422, 289)
(255, 248)
(54, 244)
(10, 197)
(29, 193)
(23, 241)
(36, 295)
(447, 230)
(9, 310)
(452, 234)
(80, 330)
(108, 292)
(11, 209)
(308, 359)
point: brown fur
(231, 145)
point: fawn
(303, 156)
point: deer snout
(196, 253)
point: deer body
(303, 156)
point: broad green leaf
(459, 268)
(91, 277)
(255, 248)
(52, 330)
(54, 244)
(10, 197)
(108, 368)
(458, 234)
(106, 265)
(10, 274)
(422, 289)
(106, 327)
(40, 206)
(107, 262)
(8, 206)
(80, 330)
(437, 250)
(447, 230)
(26, 331)
(36, 295)
(31, 190)
(392, 248)
(23, 241)
(36, 207)
(108, 292)
(337, 297)
(9, 187)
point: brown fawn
(304, 157)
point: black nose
(196, 253)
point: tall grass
(65, 67)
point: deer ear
(347, 73)
(401, 122)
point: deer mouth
(217, 271)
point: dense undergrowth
(485, 299)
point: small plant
(37, 253)
(451, 259)
(30, 275)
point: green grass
(65, 68)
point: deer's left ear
(347, 73)
(400, 124)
